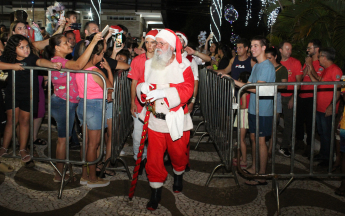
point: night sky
(192, 17)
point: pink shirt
(94, 91)
(59, 80)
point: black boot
(156, 194)
(177, 186)
(142, 166)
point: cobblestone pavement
(31, 191)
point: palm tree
(312, 19)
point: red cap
(183, 35)
(152, 34)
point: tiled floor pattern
(31, 191)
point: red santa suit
(171, 134)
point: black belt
(162, 115)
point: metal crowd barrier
(49, 158)
(122, 123)
(292, 175)
(216, 103)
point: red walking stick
(141, 149)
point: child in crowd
(18, 53)
(244, 76)
(94, 104)
(57, 50)
(71, 17)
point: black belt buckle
(160, 116)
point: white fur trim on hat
(150, 36)
(182, 65)
(168, 37)
(183, 37)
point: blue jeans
(324, 127)
(58, 106)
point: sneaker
(83, 181)
(285, 152)
(99, 183)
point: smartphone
(144, 34)
(76, 26)
(62, 13)
(105, 30)
(118, 39)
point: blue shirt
(265, 72)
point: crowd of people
(164, 74)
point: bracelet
(196, 53)
(193, 100)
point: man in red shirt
(324, 102)
(305, 97)
(295, 75)
(136, 72)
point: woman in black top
(224, 55)
(18, 53)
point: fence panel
(68, 162)
(291, 174)
(216, 102)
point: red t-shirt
(307, 90)
(294, 68)
(325, 92)
(136, 71)
(77, 36)
(247, 100)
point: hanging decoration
(262, 10)
(235, 38)
(249, 12)
(99, 10)
(231, 14)
(272, 17)
(216, 18)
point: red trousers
(177, 150)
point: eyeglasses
(161, 44)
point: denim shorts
(265, 125)
(109, 112)
(93, 113)
(58, 108)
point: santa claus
(166, 87)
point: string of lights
(249, 12)
(217, 6)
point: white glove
(155, 95)
(145, 88)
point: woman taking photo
(57, 50)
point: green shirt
(281, 73)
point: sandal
(5, 168)
(26, 158)
(40, 142)
(5, 153)
(109, 173)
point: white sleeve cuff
(139, 92)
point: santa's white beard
(160, 61)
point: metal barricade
(291, 175)
(216, 101)
(49, 158)
(122, 123)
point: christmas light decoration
(216, 16)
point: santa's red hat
(172, 39)
(151, 34)
(183, 35)
(117, 27)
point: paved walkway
(31, 191)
